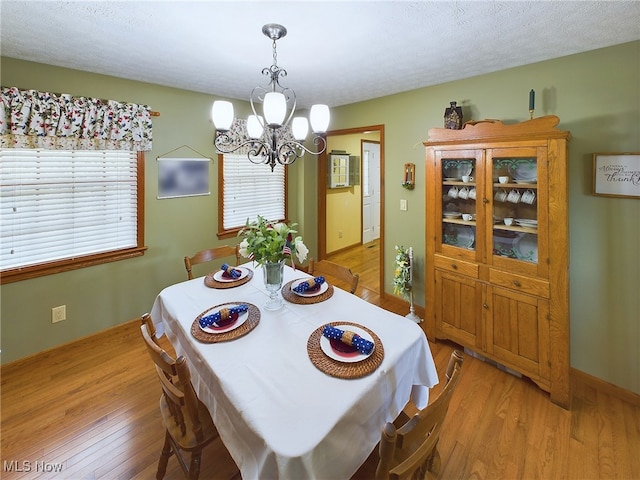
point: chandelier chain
(275, 55)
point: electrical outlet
(340, 234)
(58, 313)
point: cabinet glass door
(515, 206)
(459, 202)
(339, 176)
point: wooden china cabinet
(497, 243)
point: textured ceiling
(335, 52)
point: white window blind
(251, 190)
(57, 204)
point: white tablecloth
(278, 415)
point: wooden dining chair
(188, 423)
(410, 450)
(210, 254)
(335, 272)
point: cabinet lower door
(458, 303)
(517, 332)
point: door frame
(322, 195)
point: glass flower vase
(273, 274)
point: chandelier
(270, 141)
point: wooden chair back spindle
(334, 271)
(209, 255)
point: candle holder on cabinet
(532, 103)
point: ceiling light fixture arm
(270, 153)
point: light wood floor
(92, 408)
(365, 261)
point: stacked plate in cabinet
(525, 222)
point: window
(248, 190)
(63, 209)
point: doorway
(370, 176)
(369, 145)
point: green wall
(595, 94)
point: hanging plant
(402, 274)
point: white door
(370, 191)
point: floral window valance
(32, 119)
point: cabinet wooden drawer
(457, 266)
(520, 283)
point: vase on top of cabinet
(497, 245)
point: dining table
(286, 403)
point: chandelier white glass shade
(269, 141)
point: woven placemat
(291, 296)
(249, 324)
(339, 369)
(209, 281)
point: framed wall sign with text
(616, 174)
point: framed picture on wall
(616, 174)
(183, 177)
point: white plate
(459, 236)
(323, 288)
(218, 275)
(354, 357)
(452, 214)
(456, 169)
(524, 171)
(535, 180)
(241, 319)
(526, 223)
(526, 248)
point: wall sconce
(409, 179)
